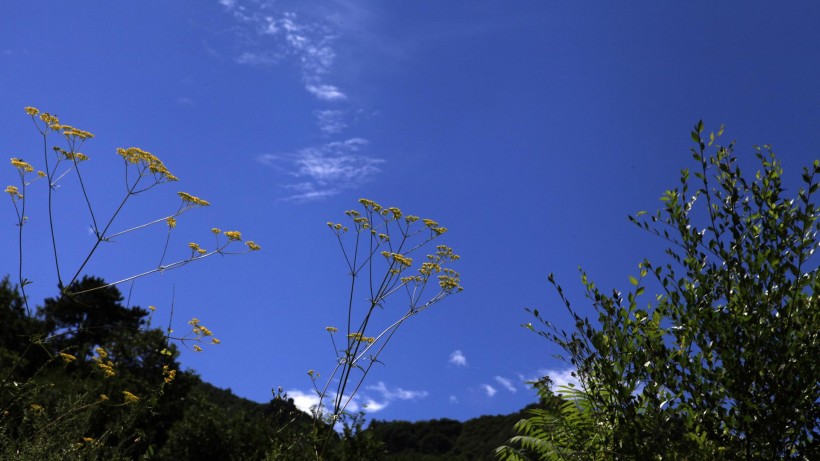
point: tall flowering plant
(384, 253)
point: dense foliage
(88, 378)
(722, 363)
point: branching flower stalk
(143, 171)
(384, 245)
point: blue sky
(529, 129)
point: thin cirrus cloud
(385, 395)
(269, 36)
(325, 170)
(330, 121)
(506, 384)
(458, 359)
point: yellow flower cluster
(199, 329)
(67, 358)
(428, 268)
(168, 374)
(135, 155)
(78, 156)
(446, 253)
(252, 246)
(196, 248)
(13, 191)
(191, 200)
(171, 221)
(399, 258)
(130, 398)
(54, 123)
(49, 119)
(106, 366)
(69, 131)
(433, 225)
(331, 329)
(21, 165)
(396, 212)
(338, 228)
(451, 281)
(233, 235)
(37, 408)
(361, 338)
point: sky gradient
(529, 129)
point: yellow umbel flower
(190, 199)
(107, 368)
(135, 155)
(13, 191)
(67, 358)
(233, 235)
(32, 110)
(171, 221)
(252, 246)
(130, 398)
(20, 164)
(197, 348)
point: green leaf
(633, 280)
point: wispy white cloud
(490, 390)
(307, 401)
(268, 36)
(396, 393)
(453, 399)
(506, 383)
(330, 121)
(458, 359)
(261, 58)
(325, 170)
(326, 92)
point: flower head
(233, 235)
(137, 156)
(189, 199)
(13, 191)
(129, 397)
(21, 165)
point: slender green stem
(50, 207)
